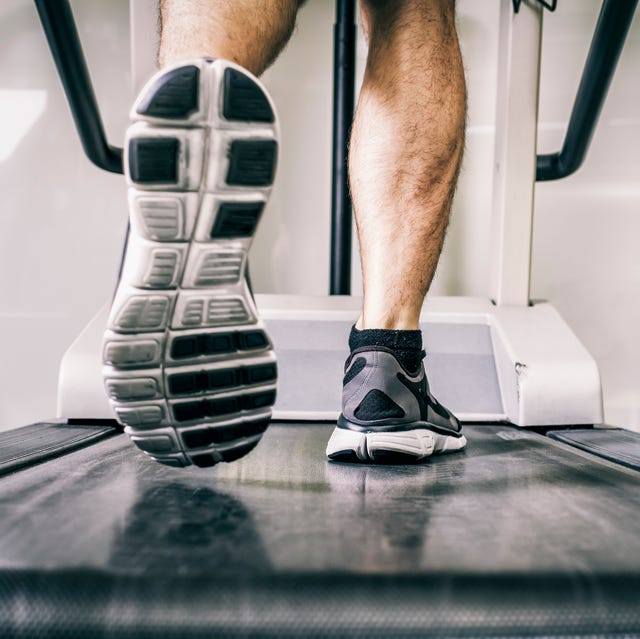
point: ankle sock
(407, 345)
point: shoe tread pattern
(188, 366)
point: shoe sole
(188, 366)
(390, 447)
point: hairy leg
(249, 32)
(406, 149)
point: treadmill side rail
(546, 374)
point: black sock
(407, 345)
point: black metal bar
(606, 46)
(62, 36)
(547, 4)
(344, 35)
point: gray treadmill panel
(311, 355)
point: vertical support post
(344, 35)
(515, 152)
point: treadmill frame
(536, 394)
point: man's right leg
(189, 368)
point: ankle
(406, 345)
(388, 321)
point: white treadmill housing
(486, 363)
(504, 359)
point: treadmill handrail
(607, 43)
(606, 46)
(62, 37)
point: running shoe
(389, 415)
(188, 366)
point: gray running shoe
(388, 414)
(188, 365)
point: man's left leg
(406, 149)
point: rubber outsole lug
(204, 461)
(214, 380)
(193, 346)
(243, 100)
(237, 219)
(174, 96)
(345, 456)
(252, 162)
(394, 458)
(208, 436)
(153, 160)
(236, 453)
(217, 407)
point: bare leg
(248, 32)
(406, 148)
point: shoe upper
(380, 394)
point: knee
(386, 16)
(399, 5)
(389, 10)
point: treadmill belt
(323, 606)
(34, 443)
(615, 444)
(518, 536)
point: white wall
(586, 257)
(64, 219)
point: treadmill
(531, 532)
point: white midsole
(419, 443)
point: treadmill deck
(506, 535)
